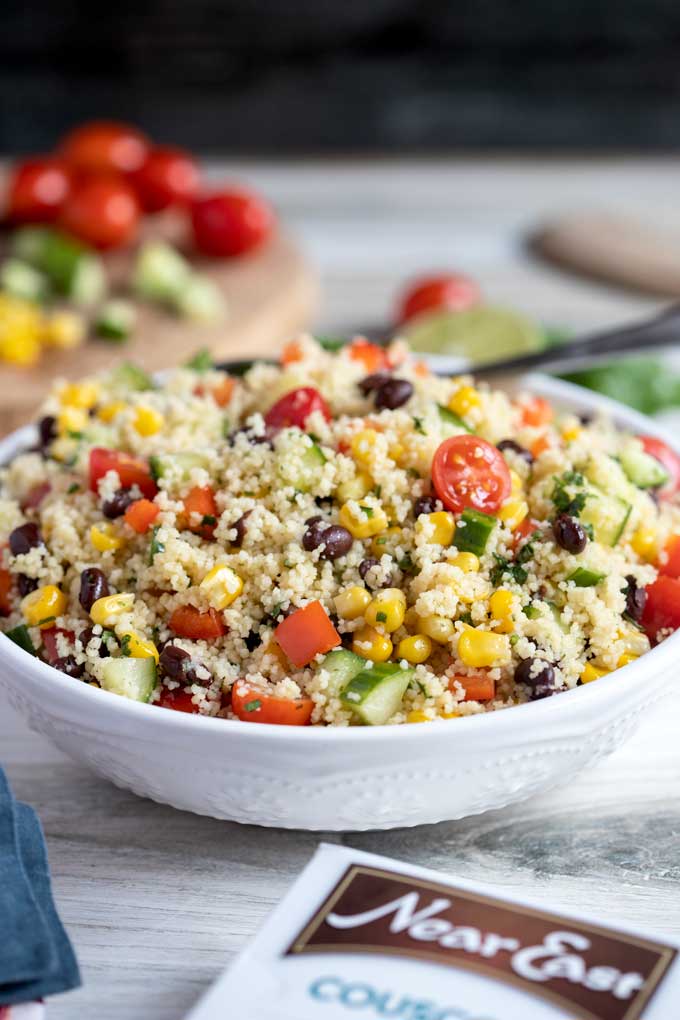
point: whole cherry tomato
(167, 177)
(37, 189)
(669, 459)
(103, 146)
(447, 291)
(294, 408)
(102, 211)
(231, 222)
(469, 472)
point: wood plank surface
(158, 901)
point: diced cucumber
(607, 475)
(448, 417)
(531, 612)
(130, 377)
(72, 269)
(341, 666)
(201, 300)
(375, 694)
(29, 243)
(130, 678)
(608, 516)
(20, 636)
(201, 361)
(183, 463)
(23, 280)
(156, 545)
(116, 320)
(300, 462)
(641, 468)
(583, 577)
(160, 272)
(472, 531)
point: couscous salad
(340, 538)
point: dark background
(311, 76)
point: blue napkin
(36, 958)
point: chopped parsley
(418, 425)
(73, 487)
(125, 645)
(75, 435)
(48, 619)
(466, 618)
(406, 564)
(381, 617)
(156, 545)
(376, 490)
(202, 361)
(209, 520)
(564, 501)
(504, 568)
(368, 510)
(253, 706)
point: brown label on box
(593, 972)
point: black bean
(26, 585)
(252, 438)
(241, 527)
(69, 666)
(394, 393)
(636, 599)
(313, 536)
(313, 520)
(336, 541)
(373, 382)
(424, 505)
(118, 504)
(86, 636)
(367, 565)
(47, 430)
(93, 586)
(538, 675)
(569, 534)
(252, 640)
(178, 665)
(25, 538)
(521, 451)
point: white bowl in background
(347, 778)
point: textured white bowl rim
(624, 680)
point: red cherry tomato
(130, 470)
(5, 592)
(101, 211)
(230, 222)
(447, 292)
(180, 701)
(669, 459)
(167, 176)
(250, 705)
(662, 609)
(469, 472)
(37, 190)
(295, 408)
(104, 146)
(189, 622)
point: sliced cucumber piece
(341, 666)
(201, 300)
(129, 376)
(116, 320)
(300, 462)
(201, 361)
(72, 269)
(160, 272)
(473, 530)
(22, 280)
(130, 678)
(583, 577)
(20, 636)
(607, 515)
(183, 463)
(454, 421)
(642, 469)
(375, 694)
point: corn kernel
(110, 606)
(351, 603)
(591, 673)
(71, 419)
(137, 647)
(450, 715)
(109, 411)
(362, 445)
(415, 716)
(19, 349)
(148, 421)
(466, 561)
(513, 512)
(222, 585)
(572, 433)
(439, 527)
(439, 628)
(105, 538)
(362, 522)
(625, 659)
(500, 604)
(645, 544)
(517, 483)
(387, 609)
(354, 488)
(368, 643)
(42, 606)
(83, 395)
(64, 330)
(464, 400)
(415, 649)
(483, 648)
(396, 452)
(387, 542)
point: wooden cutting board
(270, 296)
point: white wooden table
(157, 901)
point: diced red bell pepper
(179, 701)
(478, 687)
(371, 356)
(292, 352)
(49, 640)
(662, 609)
(306, 633)
(130, 470)
(201, 500)
(189, 622)
(524, 531)
(141, 514)
(250, 705)
(221, 393)
(5, 589)
(671, 558)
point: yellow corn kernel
(591, 673)
(500, 605)
(42, 606)
(516, 482)
(450, 715)
(105, 538)
(513, 512)
(416, 716)
(138, 647)
(64, 330)
(439, 628)
(362, 445)
(368, 643)
(18, 348)
(222, 585)
(148, 421)
(464, 400)
(71, 419)
(572, 433)
(466, 561)
(625, 659)
(351, 603)
(362, 522)
(439, 527)
(415, 649)
(645, 544)
(109, 411)
(387, 609)
(354, 488)
(83, 394)
(109, 607)
(483, 648)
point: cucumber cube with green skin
(73, 270)
(451, 419)
(21, 637)
(130, 377)
(473, 531)
(643, 470)
(341, 666)
(607, 515)
(375, 694)
(116, 320)
(300, 462)
(200, 300)
(183, 462)
(22, 280)
(583, 577)
(130, 678)
(160, 272)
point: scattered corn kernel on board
(270, 295)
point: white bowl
(353, 778)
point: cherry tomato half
(250, 705)
(294, 408)
(230, 222)
(5, 589)
(469, 472)
(130, 470)
(662, 609)
(189, 622)
(671, 558)
(102, 211)
(179, 701)
(105, 146)
(670, 460)
(447, 291)
(37, 190)
(168, 176)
